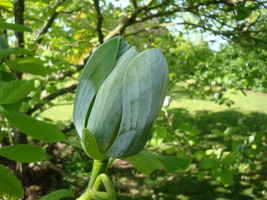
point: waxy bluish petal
(97, 69)
(106, 113)
(144, 89)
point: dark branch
(19, 19)
(50, 21)
(68, 128)
(134, 4)
(99, 20)
(50, 97)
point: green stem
(110, 161)
(99, 167)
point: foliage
(49, 43)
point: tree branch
(151, 28)
(50, 97)
(19, 19)
(50, 21)
(134, 3)
(99, 20)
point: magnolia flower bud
(119, 96)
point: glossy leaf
(7, 52)
(14, 27)
(6, 76)
(34, 128)
(23, 153)
(189, 129)
(3, 41)
(59, 194)
(6, 4)
(14, 91)
(146, 162)
(2, 135)
(10, 186)
(209, 163)
(227, 176)
(28, 65)
(158, 135)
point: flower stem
(99, 167)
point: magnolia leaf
(2, 135)
(210, 163)
(76, 143)
(226, 176)
(6, 4)
(14, 91)
(59, 194)
(32, 127)
(23, 153)
(6, 76)
(158, 135)
(10, 186)
(8, 52)
(146, 162)
(28, 65)
(189, 129)
(14, 27)
(3, 41)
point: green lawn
(250, 111)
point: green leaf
(7, 52)
(59, 194)
(6, 76)
(23, 153)
(210, 163)
(32, 127)
(217, 132)
(201, 175)
(76, 143)
(14, 27)
(28, 65)
(14, 91)
(6, 4)
(3, 41)
(90, 145)
(189, 129)
(199, 155)
(146, 162)
(10, 186)
(64, 5)
(142, 165)
(12, 107)
(2, 135)
(158, 135)
(226, 176)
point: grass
(206, 116)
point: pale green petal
(95, 72)
(106, 113)
(144, 89)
